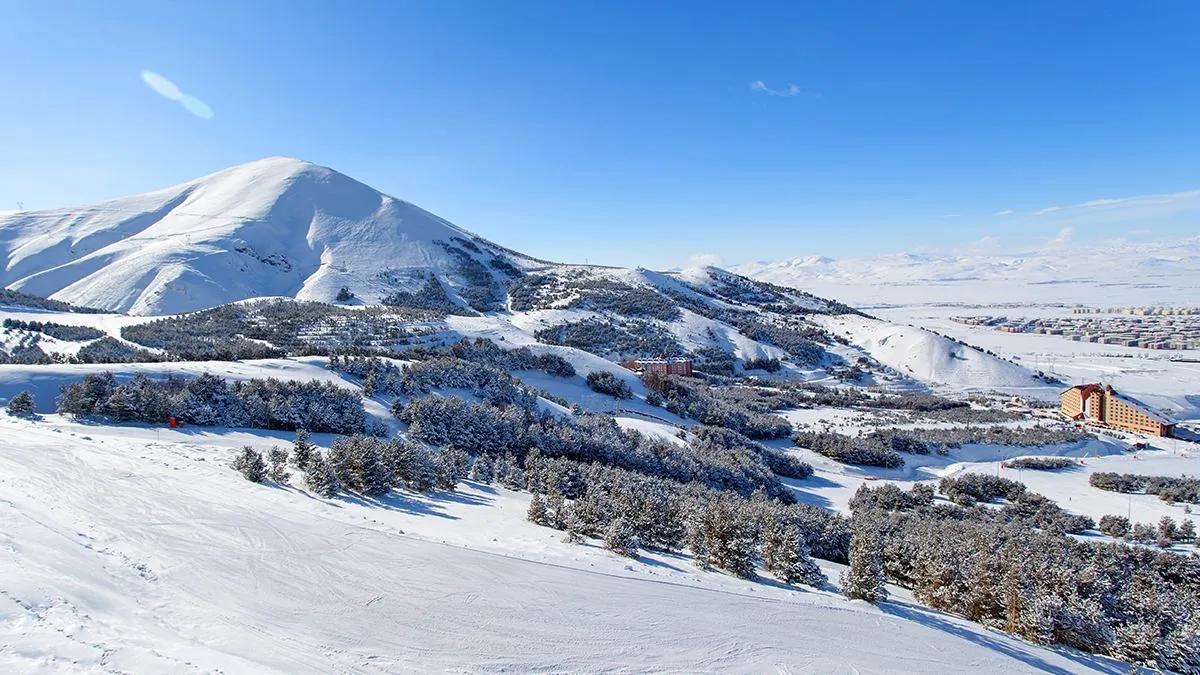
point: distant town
(1145, 327)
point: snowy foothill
(1168, 380)
(127, 548)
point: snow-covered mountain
(1120, 271)
(274, 227)
(285, 227)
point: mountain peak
(274, 226)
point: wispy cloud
(167, 89)
(786, 92)
(1144, 200)
(705, 259)
(1005, 212)
(951, 215)
(1048, 209)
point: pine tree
(251, 465)
(302, 449)
(619, 538)
(786, 555)
(344, 462)
(864, 579)
(482, 470)
(573, 524)
(277, 458)
(723, 536)
(555, 507)
(319, 476)
(451, 467)
(513, 477)
(373, 476)
(21, 405)
(123, 405)
(536, 513)
(1166, 532)
(1187, 531)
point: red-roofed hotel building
(1098, 403)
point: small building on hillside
(672, 366)
(1104, 405)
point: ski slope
(128, 549)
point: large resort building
(1102, 404)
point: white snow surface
(1114, 272)
(277, 226)
(928, 357)
(130, 549)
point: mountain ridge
(275, 226)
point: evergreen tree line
(364, 465)
(487, 352)
(799, 342)
(490, 384)
(11, 298)
(941, 439)
(239, 330)
(480, 290)
(1024, 506)
(430, 296)
(882, 447)
(1129, 602)
(1167, 488)
(26, 351)
(600, 294)
(209, 400)
(822, 395)
(631, 511)
(764, 363)
(693, 398)
(862, 450)
(480, 366)
(720, 459)
(613, 337)
(604, 382)
(57, 331)
(1167, 533)
(1040, 463)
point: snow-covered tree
(785, 553)
(21, 405)
(864, 579)
(250, 464)
(319, 475)
(302, 448)
(1166, 531)
(482, 470)
(451, 467)
(619, 537)
(536, 513)
(1187, 531)
(277, 459)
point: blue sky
(636, 133)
